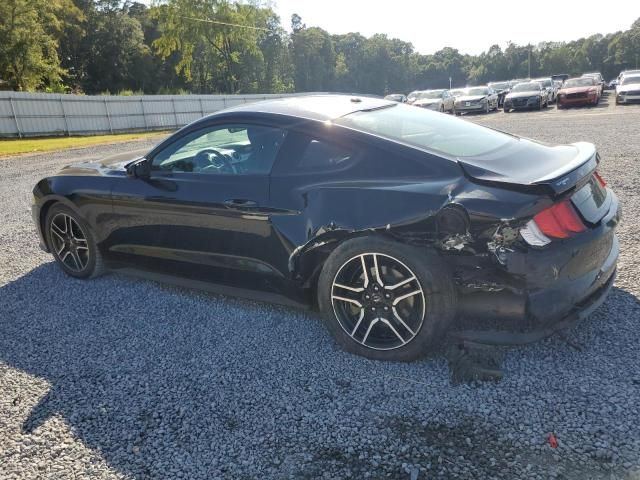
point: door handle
(240, 203)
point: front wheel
(386, 300)
(72, 244)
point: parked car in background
(579, 91)
(613, 84)
(501, 88)
(412, 96)
(561, 77)
(599, 79)
(526, 96)
(438, 100)
(396, 97)
(476, 99)
(295, 200)
(627, 72)
(558, 84)
(549, 86)
(628, 90)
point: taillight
(558, 221)
(600, 179)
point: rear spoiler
(567, 176)
(549, 175)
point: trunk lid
(530, 166)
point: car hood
(104, 166)
(522, 94)
(470, 98)
(565, 91)
(528, 163)
(630, 86)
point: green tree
(29, 32)
(314, 60)
(218, 42)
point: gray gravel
(121, 378)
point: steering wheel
(211, 159)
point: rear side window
(321, 155)
(426, 129)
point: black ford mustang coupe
(398, 223)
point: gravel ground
(122, 378)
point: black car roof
(313, 107)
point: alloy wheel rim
(69, 242)
(378, 301)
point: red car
(579, 91)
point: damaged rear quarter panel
(398, 193)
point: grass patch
(32, 145)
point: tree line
(218, 46)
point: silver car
(438, 100)
(476, 99)
(549, 87)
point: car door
(202, 213)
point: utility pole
(529, 52)
(450, 77)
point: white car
(627, 72)
(628, 90)
(438, 100)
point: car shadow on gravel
(162, 383)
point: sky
(470, 26)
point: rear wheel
(72, 244)
(385, 300)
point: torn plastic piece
(552, 440)
(456, 242)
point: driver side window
(222, 150)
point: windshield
(430, 94)
(395, 97)
(412, 96)
(477, 91)
(579, 82)
(526, 87)
(628, 80)
(456, 92)
(545, 82)
(428, 130)
(499, 86)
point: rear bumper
(628, 98)
(471, 108)
(507, 337)
(528, 105)
(567, 102)
(541, 291)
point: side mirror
(139, 169)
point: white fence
(44, 114)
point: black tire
(506, 110)
(539, 107)
(442, 108)
(91, 262)
(435, 280)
